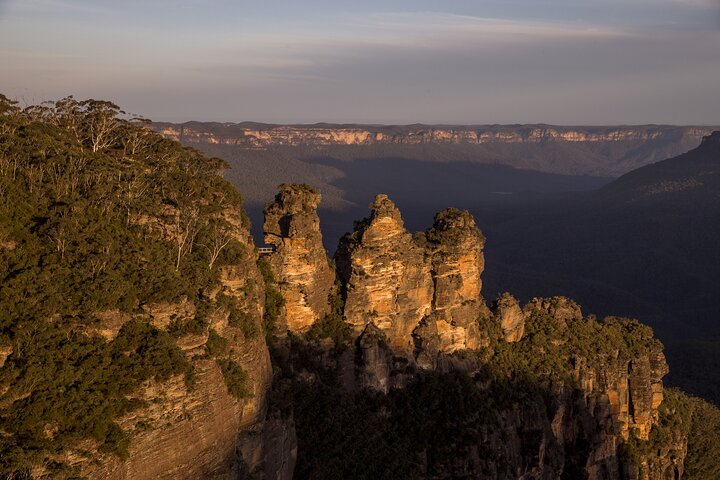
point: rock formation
(454, 246)
(386, 276)
(299, 262)
(510, 317)
(414, 303)
(422, 292)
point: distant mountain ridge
(577, 150)
(261, 135)
(696, 172)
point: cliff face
(387, 276)
(263, 136)
(299, 261)
(320, 154)
(455, 250)
(421, 293)
(206, 432)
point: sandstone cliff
(265, 135)
(299, 261)
(422, 293)
(206, 432)
(386, 276)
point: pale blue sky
(401, 61)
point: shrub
(216, 345)
(235, 378)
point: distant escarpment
(601, 151)
(265, 135)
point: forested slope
(127, 276)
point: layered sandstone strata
(299, 261)
(422, 292)
(262, 136)
(386, 276)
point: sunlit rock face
(454, 246)
(299, 262)
(386, 275)
(422, 292)
(237, 134)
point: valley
(585, 236)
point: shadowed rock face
(511, 317)
(299, 262)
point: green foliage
(273, 300)
(75, 385)
(550, 348)
(216, 345)
(189, 326)
(244, 322)
(237, 317)
(236, 378)
(333, 325)
(96, 213)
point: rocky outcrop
(299, 262)
(386, 276)
(510, 316)
(455, 248)
(422, 292)
(414, 302)
(620, 390)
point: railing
(266, 250)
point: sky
(580, 62)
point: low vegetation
(273, 301)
